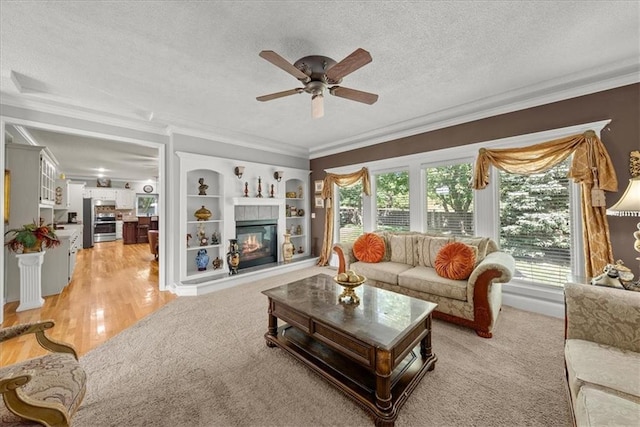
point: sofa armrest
(503, 264)
(38, 328)
(344, 251)
(603, 315)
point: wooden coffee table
(376, 352)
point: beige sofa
(602, 355)
(407, 268)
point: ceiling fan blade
(354, 95)
(348, 65)
(285, 65)
(279, 94)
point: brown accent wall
(621, 105)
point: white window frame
(486, 214)
(448, 162)
(372, 202)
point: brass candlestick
(259, 187)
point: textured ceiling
(196, 65)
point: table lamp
(629, 205)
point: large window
(535, 224)
(392, 201)
(536, 218)
(449, 199)
(350, 221)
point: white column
(30, 280)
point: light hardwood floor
(113, 286)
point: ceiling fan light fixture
(317, 106)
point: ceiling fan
(319, 73)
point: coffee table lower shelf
(350, 377)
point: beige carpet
(202, 361)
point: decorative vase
(202, 259)
(202, 214)
(233, 256)
(287, 248)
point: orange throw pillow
(369, 248)
(455, 261)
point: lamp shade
(629, 203)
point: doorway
(124, 150)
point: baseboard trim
(184, 289)
(550, 307)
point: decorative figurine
(272, 191)
(300, 192)
(233, 257)
(299, 229)
(189, 237)
(215, 238)
(300, 250)
(202, 259)
(259, 187)
(246, 189)
(217, 263)
(202, 189)
(202, 236)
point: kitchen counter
(68, 230)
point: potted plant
(32, 238)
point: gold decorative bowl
(348, 295)
(361, 280)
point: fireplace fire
(258, 242)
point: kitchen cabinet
(99, 193)
(118, 229)
(125, 199)
(62, 199)
(59, 262)
(31, 198)
(47, 178)
(76, 190)
(129, 232)
(142, 233)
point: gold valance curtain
(343, 180)
(591, 165)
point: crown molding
(239, 139)
(578, 84)
(570, 86)
(82, 113)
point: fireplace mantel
(257, 201)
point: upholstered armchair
(44, 390)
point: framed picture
(103, 182)
(318, 185)
(319, 202)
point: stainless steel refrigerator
(87, 223)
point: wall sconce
(239, 170)
(278, 175)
